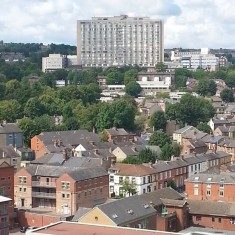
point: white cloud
(188, 23)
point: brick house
(208, 214)
(119, 135)
(56, 142)
(228, 146)
(193, 146)
(139, 211)
(7, 187)
(142, 177)
(11, 134)
(4, 215)
(171, 171)
(60, 189)
(184, 132)
(213, 187)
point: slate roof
(8, 152)
(133, 169)
(9, 128)
(168, 165)
(173, 202)
(222, 178)
(132, 150)
(117, 131)
(182, 130)
(197, 143)
(211, 208)
(154, 198)
(79, 213)
(127, 209)
(75, 172)
(228, 142)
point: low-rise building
(119, 135)
(139, 178)
(212, 187)
(5, 223)
(59, 188)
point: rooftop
(9, 128)
(71, 228)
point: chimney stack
(65, 156)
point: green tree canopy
(133, 88)
(204, 127)
(158, 120)
(130, 75)
(206, 87)
(159, 138)
(227, 95)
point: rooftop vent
(115, 216)
(130, 212)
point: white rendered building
(143, 177)
(53, 62)
(120, 40)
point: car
(24, 229)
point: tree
(158, 120)
(172, 184)
(176, 149)
(33, 108)
(159, 138)
(10, 110)
(180, 81)
(204, 127)
(227, 95)
(147, 155)
(72, 123)
(166, 152)
(206, 87)
(161, 67)
(171, 110)
(230, 80)
(130, 75)
(29, 129)
(114, 78)
(133, 88)
(104, 136)
(128, 188)
(132, 160)
(192, 110)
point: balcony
(43, 184)
(44, 195)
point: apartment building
(213, 187)
(60, 189)
(11, 134)
(141, 179)
(7, 187)
(4, 215)
(120, 40)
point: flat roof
(205, 231)
(70, 228)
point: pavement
(15, 231)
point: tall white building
(120, 40)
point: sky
(187, 23)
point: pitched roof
(80, 212)
(172, 202)
(197, 143)
(182, 130)
(211, 208)
(8, 152)
(132, 150)
(133, 169)
(77, 173)
(127, 209)
(117, 131)
(9, 128)
(223, 178)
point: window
(24, 190)
(208, 186)
(111, 178)
(185, 169)
(127, 179)
(208, 192)
(79, 196)
(120, 179)
(192, 168)
(68, 195)
(133, 180)
(144, 180)
(169, 173)
(198, 218)
(101, 190)
(65, 185)
(177, 171)
(111, 189)
(85, 193)
(195, 191)
(149, 179)
(144, 190)
(221, 193)
(219, 220)
(20, 189)
(161, 176)
(221, 186)
(213, 219)
(165, 175)
(63, 195)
